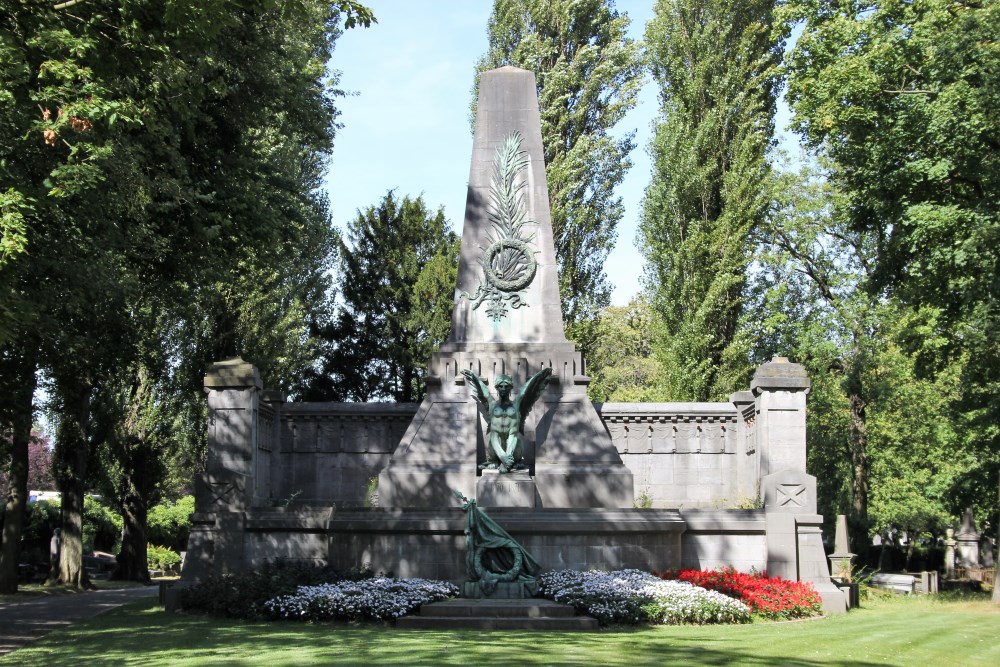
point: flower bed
(381, 599)
(770, 597)
(631, 596)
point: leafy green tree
(397, 276)
(883, 438)
(166, 162)
(901, 96)
(716, 63)
(621, 364)
(588, 75)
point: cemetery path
(23, 622)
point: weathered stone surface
(514, 489)
(789, 491)
(430, 543)
(508, 103)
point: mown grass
(902, 631)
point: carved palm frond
(507, 214)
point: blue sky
(406, 124)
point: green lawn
(910, 632)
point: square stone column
(226, 489)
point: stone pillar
(747, 470)
(226, 489)
(949, 553)
(967, 540)
(780, 388)
(793, 528)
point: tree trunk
(132, 564)
(858, 442)
(17, 500)
(72, 454)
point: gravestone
(507, 320)
(967, 539)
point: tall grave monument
(508, 322)
(506, 420)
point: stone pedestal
(513, 489)
(501, 590)
(794, 536)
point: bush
(243, 595)
(170, 523)
(379, 599)
(769, 597)
(102, 526)
(161, 558)
(631, 597)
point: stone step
(494, 614)
(508, 623)
(488, 608)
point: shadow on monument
(574, 505)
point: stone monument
(967, 539)
(294, 480)
(507, 322)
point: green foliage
(102, 526)
(621, 362)
(716, 65)
(41, 518)
(244, 595)
(883, 437)
(161, 558)
(165, 160)
(588, 76)
(900, 97)
(169, 523)
(397, 270)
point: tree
(884, 443)
(588, 75)
(901, 96)
(716, 65)
(621, 364)
(166, 162)
(398, 259)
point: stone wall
(686, 455)
(682, 455)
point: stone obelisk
(507, 320)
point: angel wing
(477, 388)
(529, 392)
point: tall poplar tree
(715, 62)
(588, 75)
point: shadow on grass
(142, 633)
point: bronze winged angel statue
(505, 449)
